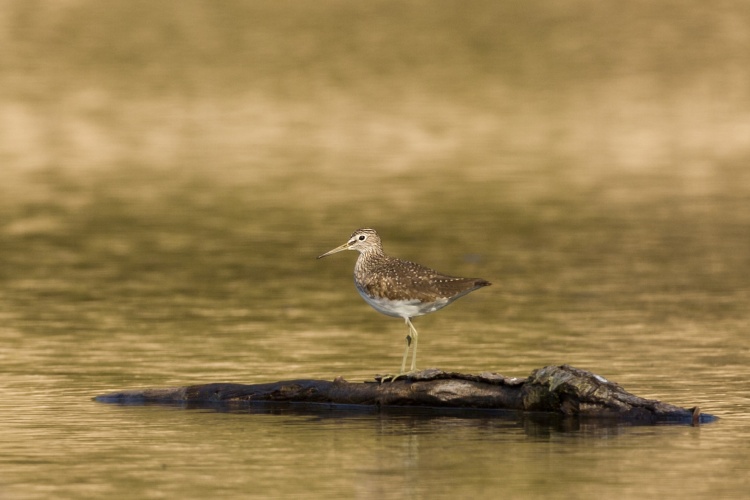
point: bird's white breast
(402, 308)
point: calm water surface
(126, 294)
(166, 191)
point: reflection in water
(429, 420)
(169, 177)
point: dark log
(561, 390)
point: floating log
(562, 390)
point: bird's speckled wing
(396, 279)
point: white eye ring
(362, 237)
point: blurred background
(170, 170)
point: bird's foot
(392, 378)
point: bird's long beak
(341, 248)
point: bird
(400, 288)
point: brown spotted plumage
(400, 288)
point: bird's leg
(406, 351)
(413, 335)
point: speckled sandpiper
(400, 288)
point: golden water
(171, 172)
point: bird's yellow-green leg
(410, 337)
(406, 352)
(414, 336)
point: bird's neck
(368, 259)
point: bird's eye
(362, 237)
